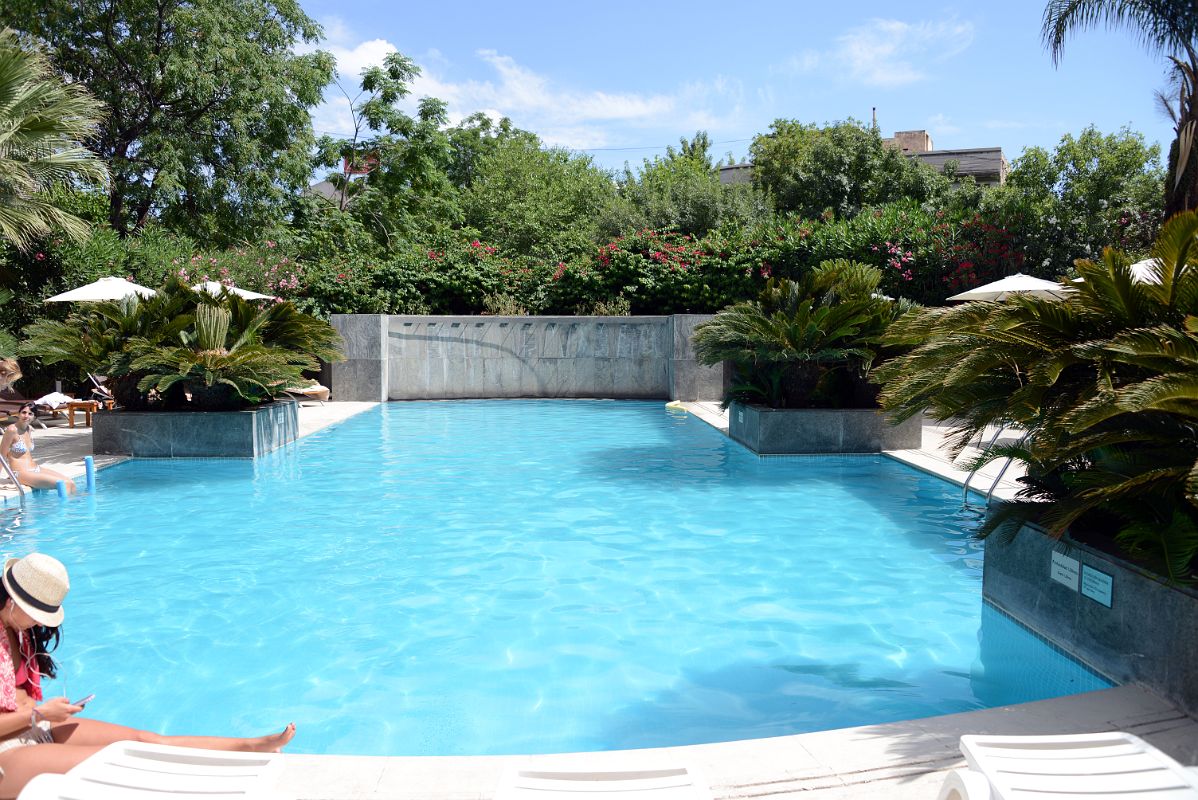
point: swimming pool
(527, 576)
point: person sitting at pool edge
(17, 447)
(38, 737)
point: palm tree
(42, 121)
(1167, 27)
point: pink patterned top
(25, 676)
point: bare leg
(25, 763)
(93, 732)
(44, 479)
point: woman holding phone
(36, 735)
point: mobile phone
(84, 701)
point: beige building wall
(910, 141)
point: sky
(622, 80)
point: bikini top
(19, 448)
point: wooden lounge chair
(11, 402)
(672, 783)
(1117, 765)
(134, 771)
(313, 392)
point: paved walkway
(898, 761)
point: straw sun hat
(37, 583)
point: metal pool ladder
(12, 476)
(985, 450)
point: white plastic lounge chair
(656, 784)
(1093, 766)
(134, 771)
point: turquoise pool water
(527, 576)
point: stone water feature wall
(444, 357)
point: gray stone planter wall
(195, 434)
(443, 357)
(363, 374)
(690, 380)
(1148, 634)
(820, 430)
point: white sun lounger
(1089, 766)
(134, 771)
(677, 783)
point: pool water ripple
(528, 576)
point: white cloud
(333, 116)
(519, 91)
(799, 63)
(569, 116)
(889, 53)
(352, 60)
(575, 137)
(942, 125)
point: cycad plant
(95, 337)
(1104, 381)
(804, 343)
(222, 350)
(218, 374)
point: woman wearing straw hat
(39, 736)
(17, 446)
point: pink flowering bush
(261, 268)
(455, 273)
(657, 273)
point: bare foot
(275, 743)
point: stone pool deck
(902, 760)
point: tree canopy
(208, 124)
(1091, 191)
(841, 168)
(538, 202)
(681, 191)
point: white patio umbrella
(104, 289)
(214, 288)
(1011, 285)
(1142, 271)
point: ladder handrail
(974, 471)
(13, 477)
(1003, 471)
